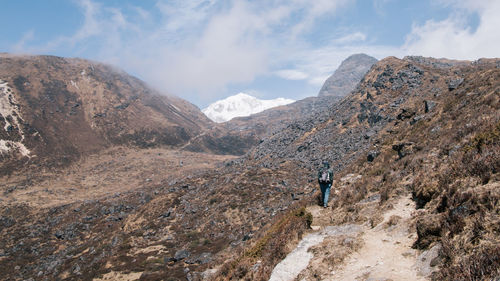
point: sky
(207, 50)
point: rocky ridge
(426, 128)
(257, 127)
(347, 76)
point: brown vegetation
(404, 130)
(257, 262)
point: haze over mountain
(240, 105)
(58, 109)
(347, 76)
(277, 48)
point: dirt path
(383, 252)
(386, 253)
(300, 257)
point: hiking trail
(383, 252)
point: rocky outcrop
(347, 76)
(243, 133)
(420, 128)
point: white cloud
(351, 38)
(312, 10)
(20, 46)
(454, 38)
(320, 63)
(291, 74)
(182, 15)
(91, 25)
(318, 80)
(195, 49)
(200, 46)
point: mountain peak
(360, 56)
(347, 76)
(240, 105)
(241, 94)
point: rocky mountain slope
(347, 76)
(246, 132)
(241, 134)
(415, 128)
(240, 105)
(57, 109)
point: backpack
(324, 176)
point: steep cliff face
(347, 76)
(57, 109)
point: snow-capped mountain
(240, 105)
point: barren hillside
(421, 128)
(414, 128)
(54, 110)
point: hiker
(325, 179)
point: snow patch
(8, 106)
(84, 75)
(6, 146)
(176, 108)
(11, 114)
(240, 105)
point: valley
(132, 185)
(108, 173)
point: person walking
(325, 179)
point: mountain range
(240, 105)
(103, 178)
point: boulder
(405, 114)
(429, 105)
(403, 149)
(453, 84)
(372, 155)
(203, 258)
(181, 254)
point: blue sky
(205, 50)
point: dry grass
(115, 170)
(257, 262)
(454, 176)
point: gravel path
(385, 253)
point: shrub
(269, 249)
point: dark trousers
(325, 192)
